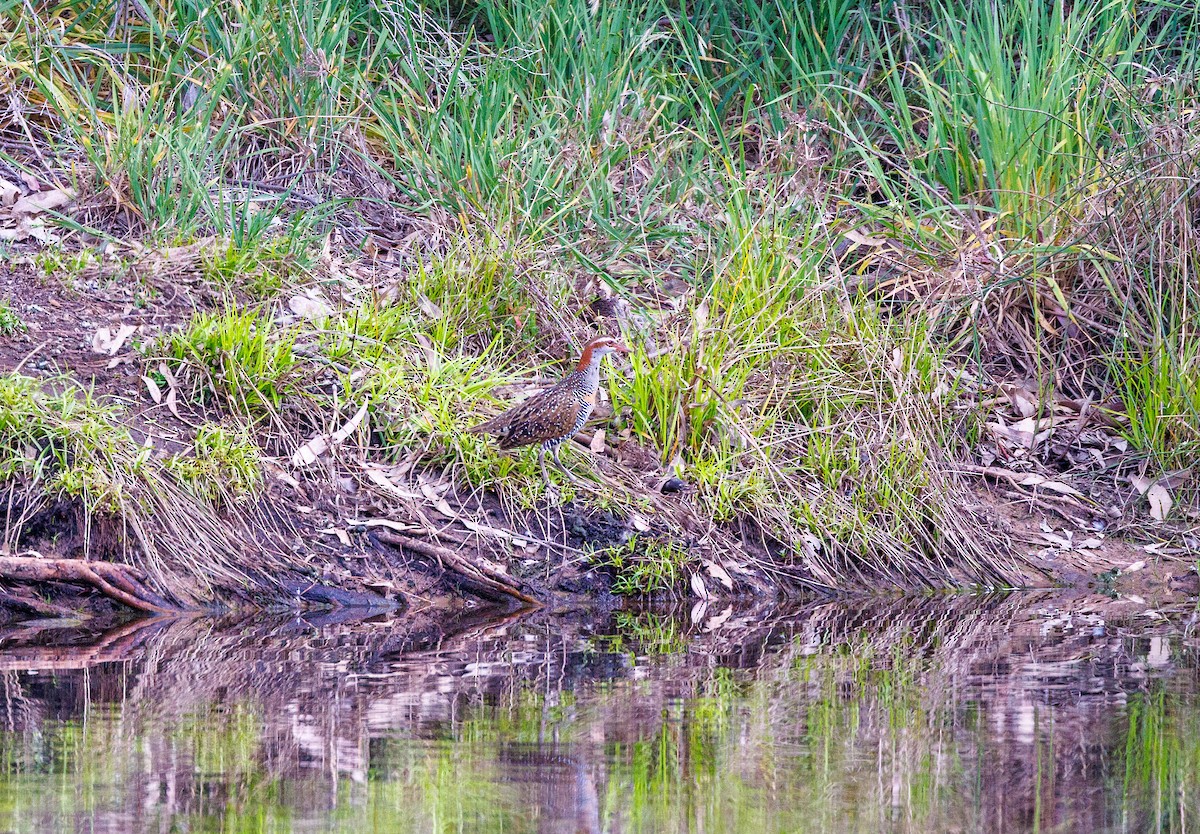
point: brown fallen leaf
(341, 534)
(152, 387)
(313, 448)
(42, 201)
(107, 342)
(719, 573)
(597, 444)
(309, 307)
(380, 479)
(428, 307)
(1160, 502)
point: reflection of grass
(865, 731)
(649, 633)
(1162, 759)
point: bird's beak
(619, 347)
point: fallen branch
(122, 583)
(485, 576)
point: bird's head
(598, 348)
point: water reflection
(1025, 713)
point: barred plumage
(552, 417)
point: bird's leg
(550, 490)
(563, 469)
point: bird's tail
(488, 426)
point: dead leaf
(484, 529)
(1160, 502)
(308, 307)
(389, 524)
(380, 479)
(1033, 479)
(431, 356)
(313, 448)
(42, 202)
(310, 450)
(8, 192)
(1057, 541)
(1176, 479)
(719, 573)
(698, 586)
(279, 474)
(106, 342)
(855, 236)
(341, 534)
(350, 426)
(428, 307)
(597, 444)
(718, 620)
(439, 503)
(1023, 401)
(1135, 567)
(1061, 488)
(152, 387)
(639, 523)
(700, 317)
(1140, 483)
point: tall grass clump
(238, 357)
(65, 444)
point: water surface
(1025, 713)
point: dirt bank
(379, 532)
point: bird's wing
(545, 416)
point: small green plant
(726, 493)
(644, 566)
(651, 633)
(261, 266)
(66, 443)
(223, 466)
(63, 265)
(10, 322)
(238, 357)
(1161, 394)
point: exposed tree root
(483, 577)
(123, 583)
(32, 604)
